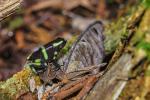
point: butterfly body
(39, 59)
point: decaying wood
(110, 84)
(88, 85)
(7, 7)
(85, 84)
(114, 80)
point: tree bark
(7, 7)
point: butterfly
(88, 49)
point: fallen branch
(7, 7)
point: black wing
(50, 48)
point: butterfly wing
(48, 51)
(88, 49)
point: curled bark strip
(61, 95)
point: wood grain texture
(7, 7)
(111, 84)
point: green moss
(4, 95)
(145, 46)
(147, 72)
(146, 3)
(15, 23)
(114, 32)
(67, 46)
(19, 83)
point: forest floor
(37, 22)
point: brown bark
(7, 7)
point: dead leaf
(43, 35)
(61, 4)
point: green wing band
(57, 44)
(37, 64)
(33, 70)
(38, 60)
(44, 53)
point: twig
(89, 84)
(64, 94)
